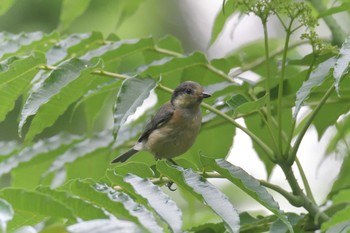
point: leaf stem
(280, 88)
(268, 74)
(307, 203)
(305, 181)
(292, 155)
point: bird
(174, 128)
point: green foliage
(73, 93)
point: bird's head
(188, 94)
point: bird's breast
(176, 136)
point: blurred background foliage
(125, 19)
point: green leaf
(61, 88)
(342, 181)
(136, 168)
(60, 50)
(21, 44)
(209, 228)
(6, 214)
(248, 184)
(158, 200)
(16, 79)
(339, 217)
(131, 95)
(5, 5)
(116, 50)
(235, 101)
(171, 43)
(204, 191)
(41, 147)
(71, 10)
(117, 203)
(316, 79)
(221, 18)
(171, 64)
(341, 66)
(84, 148)
(342, 197)
(340, 228)
(104, 226)
(280, 226)
(36, 203)
(79, 207)
(334, 10)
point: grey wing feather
(162, 116)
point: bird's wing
(162, 116)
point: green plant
(60, 176)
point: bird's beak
(206, 94)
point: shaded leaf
(204, 191)
(316, 78)
(342, 64)
(131, 95)
(158, 200)
(248, 184)
(280, 226)
(71, 10)
(117, 203)
(343, 227)
(342, 197)
(16, 79)
(79, 207)
(63, 86)
(342, 181)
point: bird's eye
(189, 91)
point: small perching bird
(174, 128)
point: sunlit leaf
(104, 226)
(12, 43)
(15, 79)
(248, 184)
(131, 95)
(316, 78)
(63, 87)
(117, 203)
(6, 214)
(158, 200)
(342, 64)
(204, 191)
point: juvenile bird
(174, 128)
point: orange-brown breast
(177, 135)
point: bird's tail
(127, 155)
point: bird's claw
(169, 184)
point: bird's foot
(169, 184)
